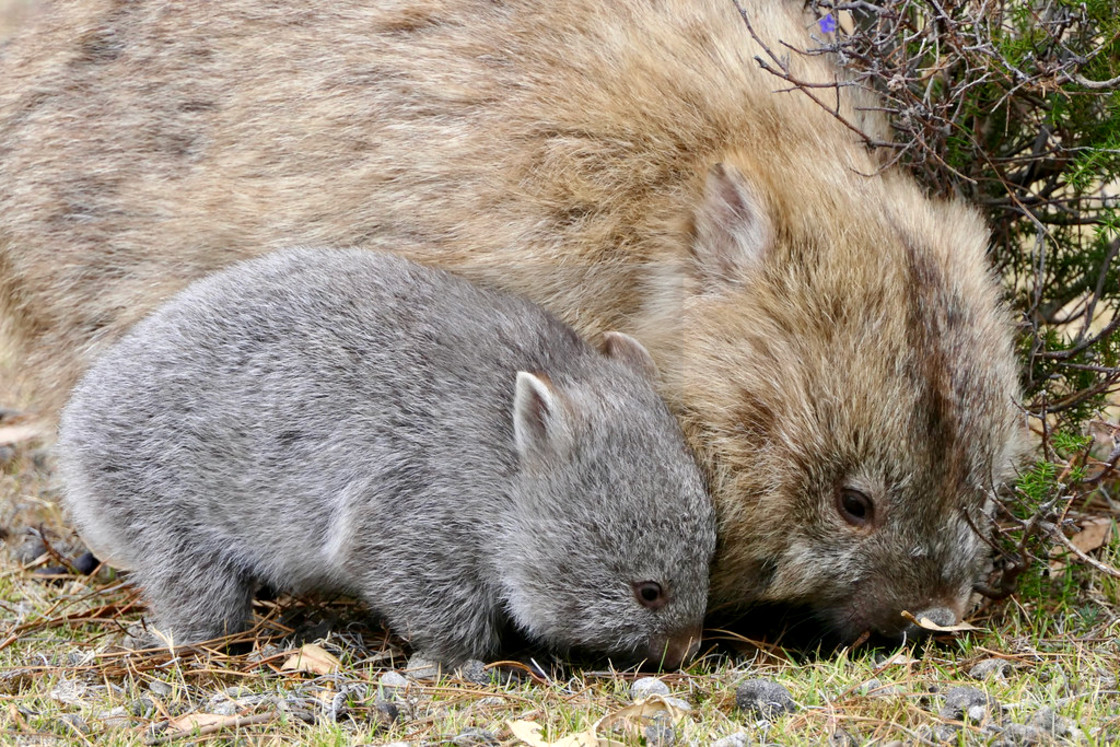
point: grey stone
(159, 688)
(30, 550)
(15, 681)
(1017, 735)
(679, 704)
(393, 684)
(1047, 720)
(76, 722)
(647, 686)
(660, 733)
(474, 671)
(142, 707)
(386, 711)
(945, 732)
(7, 455)
(959, 701)
(976, 712)
(987, 669)
(472, 737)
(738, 739)
(119, 717)
(873, 688)
(764, 698)
(420, 668)
(41, 460)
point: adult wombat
(830, 337)
(345, 419)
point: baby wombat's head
(613, 532)
(854, 398)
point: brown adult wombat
(830, 338)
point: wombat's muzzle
(936, 615)
(674, 650)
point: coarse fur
(821, 327)
(318, 419)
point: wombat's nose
(677, 649)
(936, 615)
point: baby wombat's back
(347, 419)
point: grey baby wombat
(349, 420)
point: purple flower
(828, 24)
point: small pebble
(41, 459)
(841, 738)
(876, 689)
(30, 550)
(1052, 723)
(987, 669)
(77, 722)
(959, 700)
(79, 658)
(680, 705)
(159, 688)
(492, 700)
(976, 712)
(386, 710)
(420, 668)
(660, 733)
(119, 718)
(946, 732)
(765, 698)
(393, 684)
(70, 692)
(142, 707)
(647, 686)
(1016, 735)
(738, 739)
(86, 563)
(474, 671)
(7, 455)
(472, 737)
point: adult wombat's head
(855, 429)
(613, 533)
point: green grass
(64, 678)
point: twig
(1104, 568)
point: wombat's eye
(649, 594)
(855, 507)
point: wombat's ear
(625, 348)
(540, 416)
(732, 230)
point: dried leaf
(926, 624)
(190, 721)
(311, 659)
(644, 710)
(1094, 533)
(529, 732)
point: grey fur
(345, 419)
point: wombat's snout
(936, 615)
(675, 649)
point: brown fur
(624, 163)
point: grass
(65, 679)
